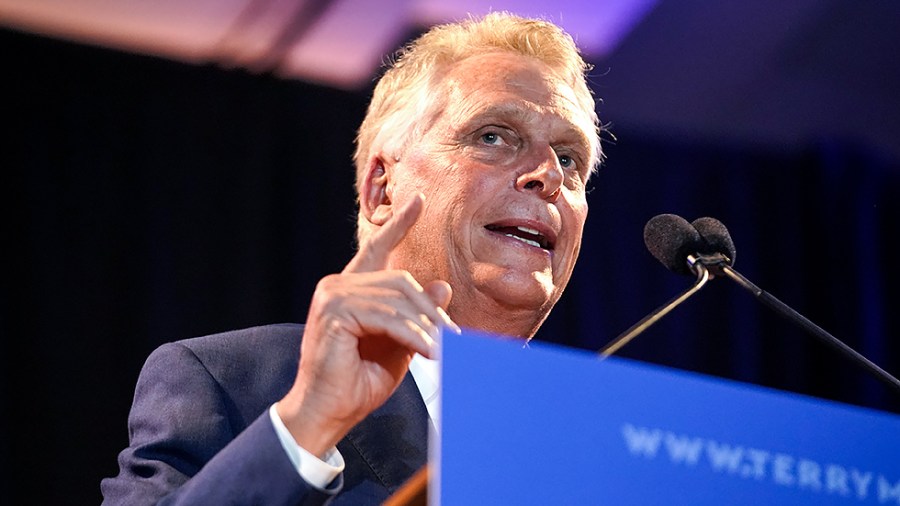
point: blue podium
(545, 424)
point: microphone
(716, 238)
(719, 245)
(673, 241)
(670, 239)
(705, 248)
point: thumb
(374, 252)
(439, 292)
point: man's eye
(491, 138)
(566, 162)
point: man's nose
(545, 177)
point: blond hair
(405, 94)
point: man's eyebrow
(510, 110)
(575, 138)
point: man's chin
(498, 290)
(526, 300)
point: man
(471, 169)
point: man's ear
(375, 193)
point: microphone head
(670, 239)
(716, 238)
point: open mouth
(527, 235)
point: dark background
(147, 201)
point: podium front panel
(546, 424)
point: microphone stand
(623, 339)
(719, 264)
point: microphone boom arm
(625, 337)
(787, 312)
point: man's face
(503, 168)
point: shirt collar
(426, 373)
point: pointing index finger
(374, 251)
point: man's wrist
(318, 472)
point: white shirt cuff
(315, 471)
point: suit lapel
(393, 439)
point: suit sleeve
(184, 449)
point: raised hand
(363, 327)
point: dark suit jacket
(200, 431)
